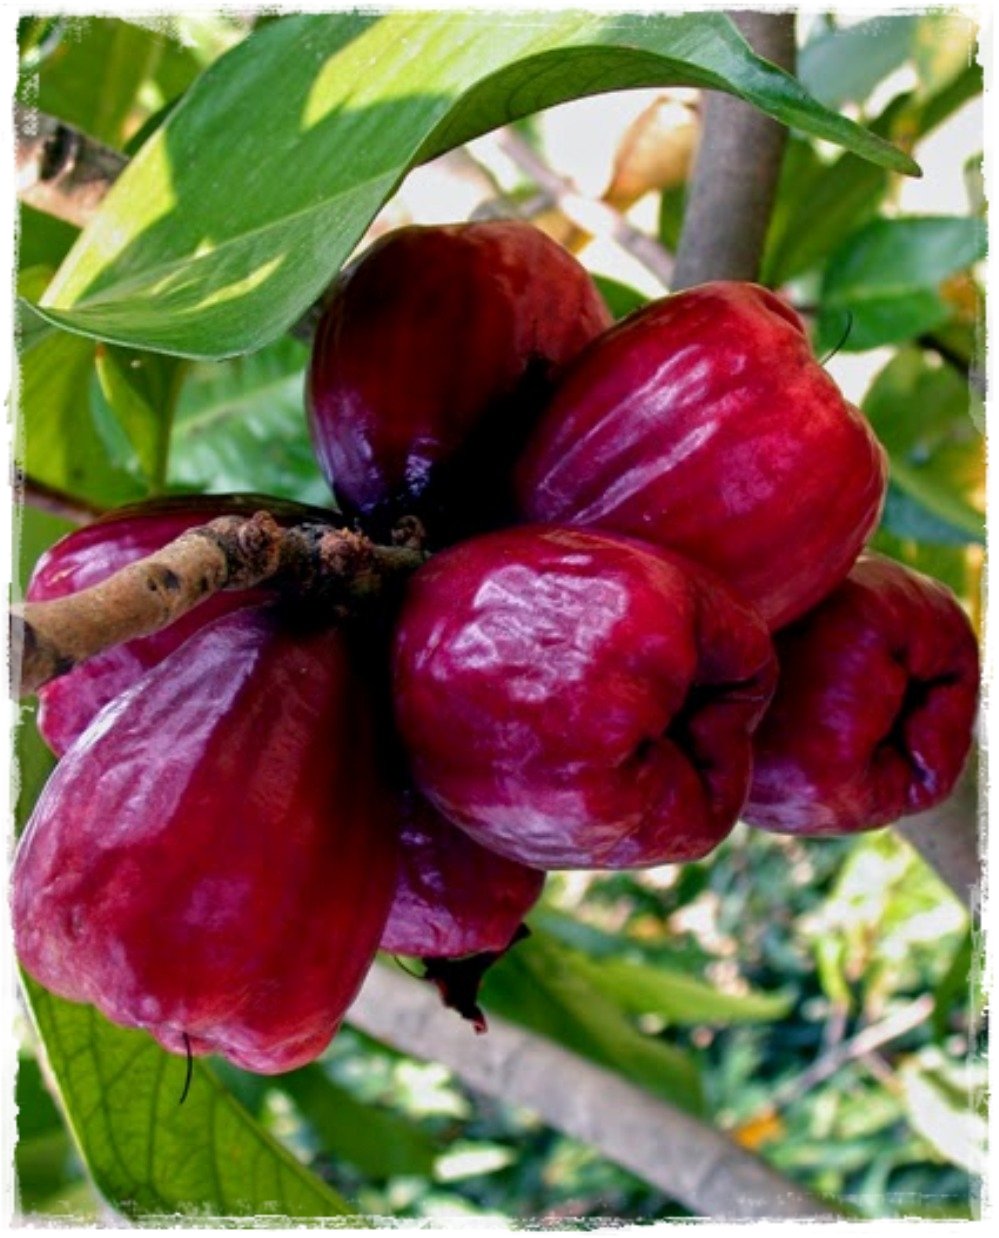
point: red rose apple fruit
(453, 897)
(430, 363)
(704, 423)
(91, 554)
(574, 699)
(213, 859)
(875, 705)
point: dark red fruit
(89, 555)
(453, 897)
(431, 362)
(874, 710)
(704, 423)
(577, 700)
(213, 861)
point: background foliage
(729, 987)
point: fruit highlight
(577, 700)
(704, 424)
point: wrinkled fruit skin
(431, 362)
(577, 700)
(453, 897)
(874, 710)
(90, 554)
(704, 423)
(213, 860)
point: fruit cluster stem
(336, 568)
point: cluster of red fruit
(645, 615)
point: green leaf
(619, 298)
(920, 412)
(679, 998)
(151, 1156)
(92, 78)
(953, 985)
(888, 276)
(844, 65)
(43, 1155)
(42, 240)
(819, 203)
(240, 425)
(140, 390)
(59, 426)
(542, 986)
(217, 237)
(818, 206)
(379, 1142)
(906, 517)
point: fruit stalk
(336, 567)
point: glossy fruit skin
(431, 362)
(453, 897)
(213, 860)
(704, 423)
(574, 699)
(873, 714)
(90, 554)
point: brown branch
(336, 567)
(736, 170)
(60, 170)
(686, 1158)
(44, 498)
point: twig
(60, 170)
(595, 217)
(736, 169)
(688, 1159)
(858, 1046)
(45, 498)
(336, 567)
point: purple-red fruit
(213, 860)
(578, 700)
(89, 555)
(874, 710)
(431, 362)
(453, 897)
(704, 423)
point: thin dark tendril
(190, 1069)
(843, 338)
(409, 972)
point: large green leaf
(240, 425)
(148, 1154)
(542, 986)
(920, 413)
(887, 277)
(218, 235)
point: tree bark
(736, 170)
(686, 1158)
